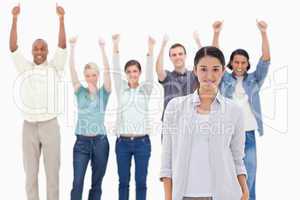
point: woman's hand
(245, 196)
(73, 40)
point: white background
(278, 161)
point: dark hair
(241, 52)
(209, 51)
(133, 62)
(175, 46)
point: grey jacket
(226, 145)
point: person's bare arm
(74, 76)
(217, 27)
(243, 183)
(107, 78)
(13, 40)
(62, 33)
(263, 64)
(168, 188)
(262, 26)
(161, 74)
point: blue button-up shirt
(252, 83)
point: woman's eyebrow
(217, 66)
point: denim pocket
(118, 140)
(81, 146)
(146, 143)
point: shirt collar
(126, 86)
(180, 74)
(245, 75)
(40, 65)
(219, 99)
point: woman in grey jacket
(203, 143)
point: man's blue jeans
(140, 149)
(250, 162)
(85, 149)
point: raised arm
(149, 66)
(197, 39)
(117, 74)
(262, 67)
(217, 27)
(161, 74)
(107, 79)
(62, 33)
(262, 26)
(74, 76)
(13, 40)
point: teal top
(91, 111)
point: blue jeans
(85, 149)
(140, 149)
(250, 162)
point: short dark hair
(133, 62)
(40, 40)
(241, 52)
(209, 51)
(175, 46)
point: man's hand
(60, 11)
(262, 26)
(16, 11)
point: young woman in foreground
(203, 143)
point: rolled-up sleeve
(261, 71)
(237, 144)
(169, 129)
(168, 74)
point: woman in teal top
(91, 143)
